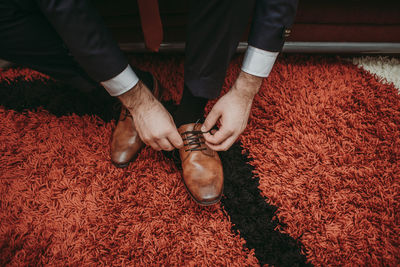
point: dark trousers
(213, 33)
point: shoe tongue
(189, 127)
(197, 127)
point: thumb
(211, 120)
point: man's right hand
(152, 121)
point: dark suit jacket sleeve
(271, 19)
(84, 33)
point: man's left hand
(232, 110)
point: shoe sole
(122, 165)
(204, 204)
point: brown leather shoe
(202, 169)
(126, 143)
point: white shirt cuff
(258, 62)
(121, 83)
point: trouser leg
(213, 33)
(27, 39)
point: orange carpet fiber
(324, 138)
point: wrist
(247, 84)
(137, 96)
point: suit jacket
(271, 23)
(93, 47)
(77, 23)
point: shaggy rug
(313, 180)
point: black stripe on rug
(252, 217)
(57, 98)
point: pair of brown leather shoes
(202, 168)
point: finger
(219, 137)
(176, 139)
(224, 146)
(154, 145)
(210, 120)
(165, 144)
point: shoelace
(126, 114)
(117, 108)
(194, 141)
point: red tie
(151, 23)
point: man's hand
(152, 121)
(232, 110)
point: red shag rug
(315, 181)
